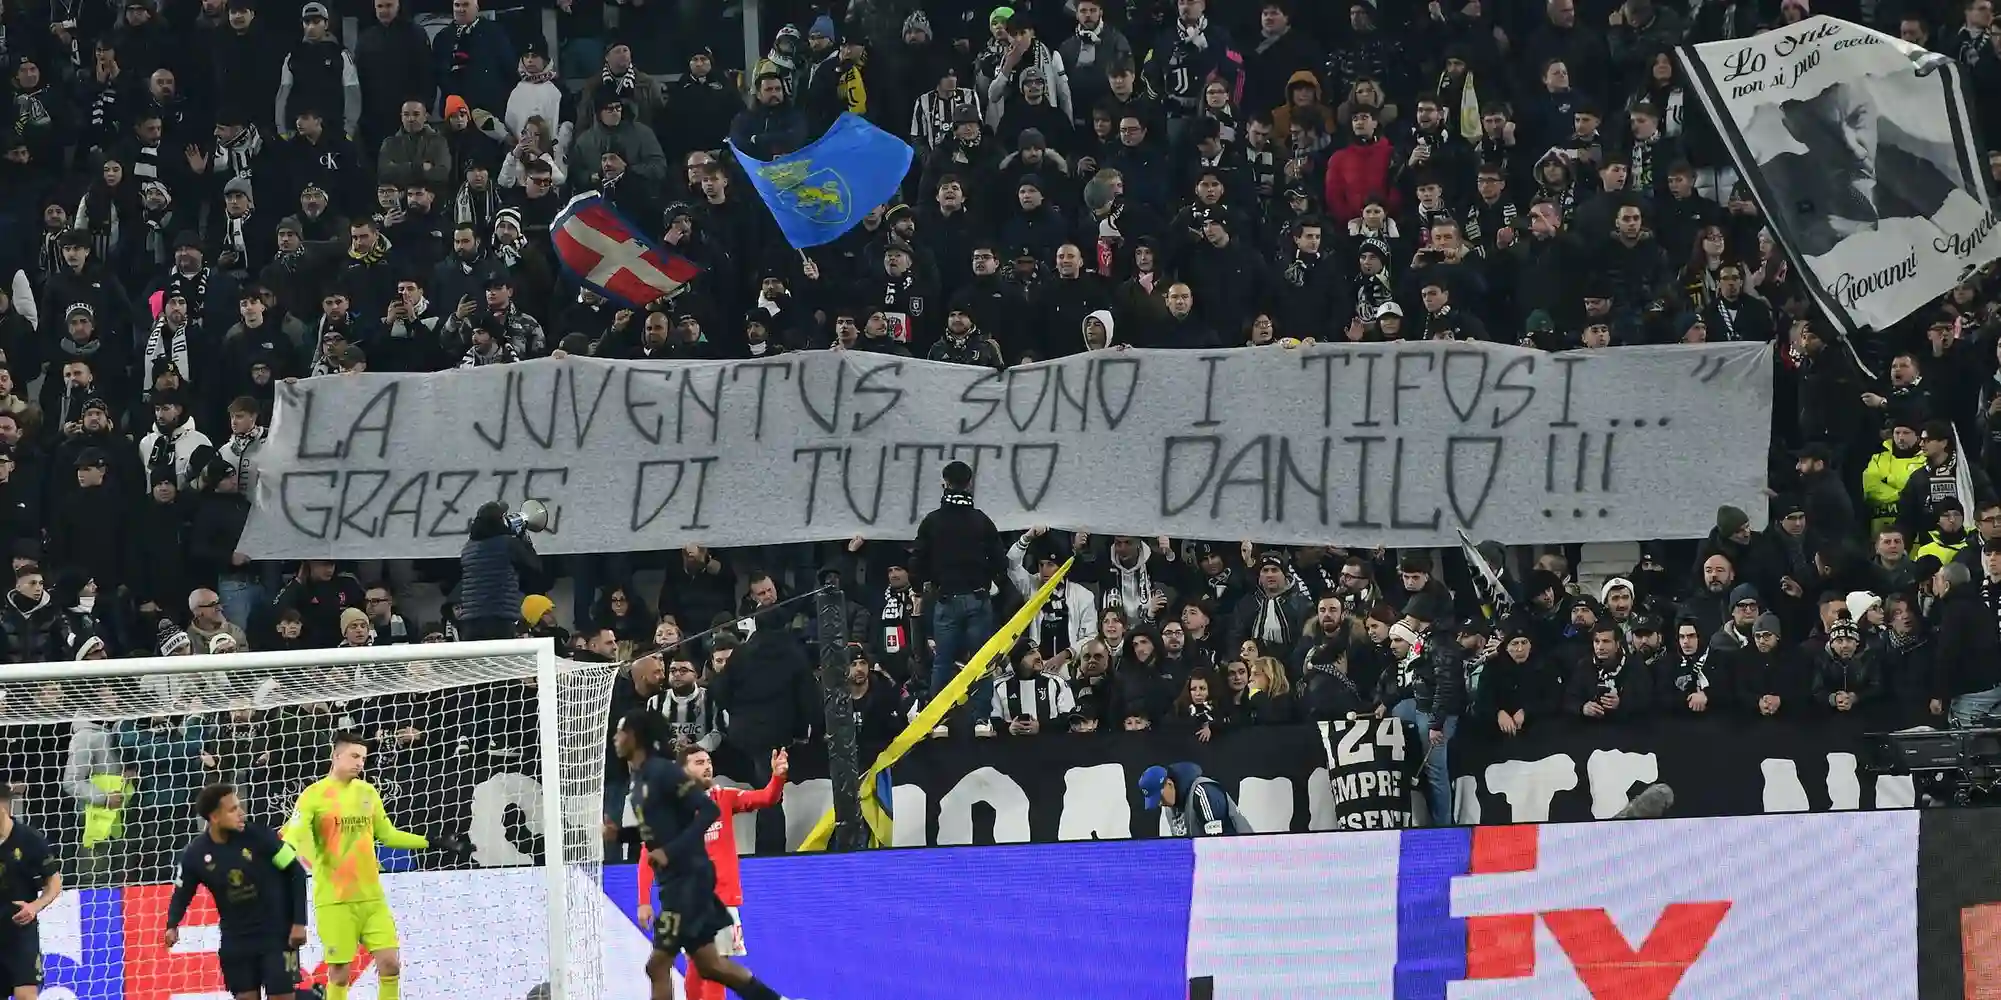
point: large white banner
(1860, 151)
(1379, 444)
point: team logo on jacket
(917, 305)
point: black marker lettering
(692, 393)
(581, 423)
(1461, 358)
(827, 421)
(376, 478)
(1368, 359)
(1398, 386)
(1569, 364)
(819, 455)
(1397, 522)
(974, 393)
(327, 481)
(1461, 458)
(452, 519)
(634, 404)
(1015, 377)
(1258, 450)
(1131, 368)
(1315, 484)
(508, 391)
(413, 490)
(917, 484)
(1030, 498)
(1171, 450)
(763, 370)
(1525, 391)
(1209, 392)
(891, 394)
(1362, 518)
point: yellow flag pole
(934, 712)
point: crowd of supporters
(198, 202)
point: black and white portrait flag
(1859, 148)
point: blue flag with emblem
(824, 189)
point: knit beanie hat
(1843, 628)
(1767, 622)
(1730, 520)
(352, 616)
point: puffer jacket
(29, 629)
(489, 575)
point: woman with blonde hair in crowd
(1270, 700)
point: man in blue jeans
(1427, 690)
(957, 558)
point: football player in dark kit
(675, 813)
(29, 882)
(259, 888)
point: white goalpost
(496, 747)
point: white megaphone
(534, 516)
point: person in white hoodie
(538, 95)
(1070, 619)
(1100, 331)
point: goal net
(496, 748)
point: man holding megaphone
(497, 553)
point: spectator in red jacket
(1360, 170)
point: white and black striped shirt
(1042, 698)
(691, 718)
(931, 115)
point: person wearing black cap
(82, 279)
(611, 130)
(909, 300)
(968, 154)
(704, 104)
(318, 73)
(167, 345)
(1829, 509)
(877, 705)
(90, 530)
(1846, 676)
(957, 558)
(1890, 468)
(965, 344)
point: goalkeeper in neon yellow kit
(335, 827)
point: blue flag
(824, 189)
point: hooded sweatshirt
(1111, 330)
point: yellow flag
(873, 811)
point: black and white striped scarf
(167, 342)
(232, 157)
(1053, 624)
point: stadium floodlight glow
(498, 745)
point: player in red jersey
(721, 843)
